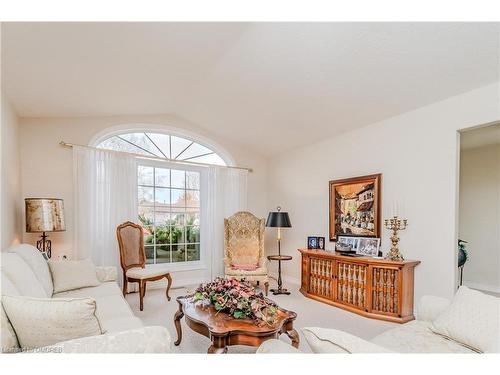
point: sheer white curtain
(226, 193)
(105, 195)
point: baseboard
(479, 286)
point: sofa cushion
(325, 340)
(40, 322)
(8, 287)
(113, 307)
(102, 290)
(34, 258)
(72, 274)
(109, 300)
(430, 307)
(141, 340)
(416, 337)
(472, 319)
(21, 275)
(113, 325)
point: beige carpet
(310, 313)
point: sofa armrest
(106, 273)
(430, 307)
(324, 340)
(276, 347)
(142, 340)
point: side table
(279, 258)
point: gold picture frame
(355, 205)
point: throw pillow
(472, 319)
(72, 274)
(40, 322)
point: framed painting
(355, 207)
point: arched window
(164, 146)
(169, 193)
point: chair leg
(266, 287)
(125, 286)
(141, 295)
(144, 289)
(169, 284)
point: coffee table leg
(218, 345)
(177, 321)
(294, 336)
(214, 350)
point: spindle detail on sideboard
(376, 288)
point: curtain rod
(70, 145)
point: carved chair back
(131, 243)
(244, 239)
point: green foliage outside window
(171, 232)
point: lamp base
(44, 245)
(280, 291)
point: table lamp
(278, 219)
(44, 215)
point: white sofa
(412, 337)
(24, 272)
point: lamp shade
(44, 215)
(278, 219)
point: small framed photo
(312, 242)
(368, 247)
(349, 242)
(321, 243)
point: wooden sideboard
(376, 288)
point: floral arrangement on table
(238, 299)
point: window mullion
(154, 215)
(170, 209)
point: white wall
(480, 215)
(417, 153)
(47, 166)
(11, 183)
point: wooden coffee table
(225, 330)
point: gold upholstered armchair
(244, 256)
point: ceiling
(269, 86)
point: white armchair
(478, 312)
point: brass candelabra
(395, 224)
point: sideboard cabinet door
(385, 290)
(351, 284)
(321, 277)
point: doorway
(479, 209)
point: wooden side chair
(133, 260)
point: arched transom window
(163, 146)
